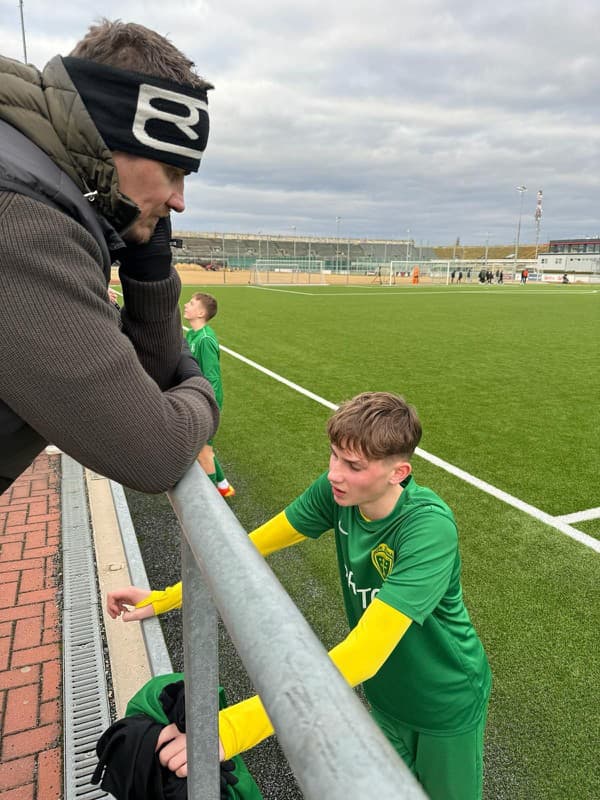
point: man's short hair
(127, 45)
(209, 302)
(377, 425)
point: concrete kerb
(128, 643)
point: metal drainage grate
(86, 711)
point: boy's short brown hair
(377, 425)
(209, 302)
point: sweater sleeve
(152, 322)
(73, 375)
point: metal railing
(332, 745)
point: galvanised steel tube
(332, 745)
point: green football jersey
(204, 346)
(437, 680)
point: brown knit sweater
(69, 370)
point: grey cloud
(422, 115)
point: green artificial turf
(506, 383)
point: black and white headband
(146, 116)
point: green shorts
(447, 767)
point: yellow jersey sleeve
(367, 647)
(362, 653)
(164, 600)
(275, 534)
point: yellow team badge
(383, 559)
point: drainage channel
(86, 711)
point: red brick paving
(30, 666)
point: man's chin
(139, 233)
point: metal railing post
(201, 669)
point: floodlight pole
(23, 31)
(337, 244)
(294, 229)
(521, 190)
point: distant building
(572, 255)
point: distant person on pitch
(204, 346)
(411, 643)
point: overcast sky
(393, 115)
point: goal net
(286, 272)
(419, 271)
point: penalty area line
(499, 494)
(580, 516)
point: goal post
(287, 272)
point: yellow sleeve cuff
(243, 726)
(165, 600)
(275, 534)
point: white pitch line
(282, 291)
(580, 516)
(407, 291)
(509, 499)
(281, 379)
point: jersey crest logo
(383, 559)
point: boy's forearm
(360, 656)
(275, 534)
(243, 726)
(368, 645)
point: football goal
(286, 272)
(416, 271)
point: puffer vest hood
(47, 109)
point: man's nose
(176, 202)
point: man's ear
(402, 470)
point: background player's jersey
(204, 346)
(437, 679)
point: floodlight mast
(521, 190)
(23, 31)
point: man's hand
(150, 261)
(187, 366)
(172, 750)
(118, 604)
